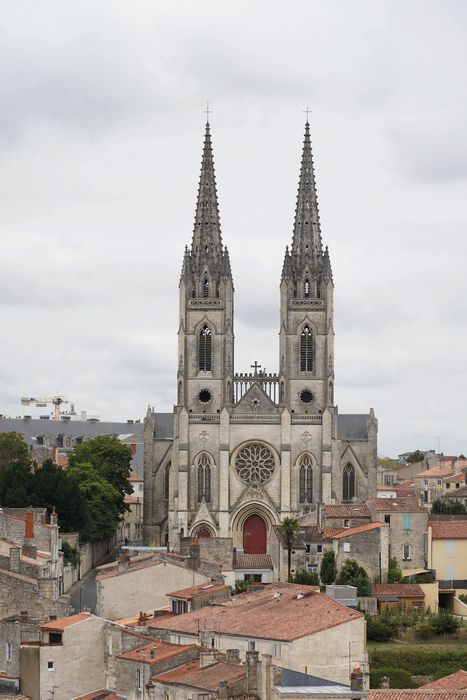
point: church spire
(206, 245)
(306, 243)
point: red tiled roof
(154, 652)
(346, 510)
(435, 472)
(98, 695)
(66, 621)
(417, 694)
(395, 505)
(253, 561)
(460, 476)
(357, 530)
(455, 681)
(398, 589)
(282, 611)
(449, 529)
(200, 590)
(207, 678)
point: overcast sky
(101, 130)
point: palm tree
(288, 528)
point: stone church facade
(243, 451)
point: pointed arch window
(306, 350)
(205, 349)
(306, 480)
(206, 287)
(348, 483)
(307, 288)
(167, 482)
(204, 479)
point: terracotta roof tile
(449, 529)
(154, 652)
(398, 589)
(395, 505)
(435, 472)
(346, 510)
(455, 681)
(66, 621)
(202, 589)
(357, 530)
(461, 477)
(417, 694)
(253, 561)
(207, 678)
(281, 611)
(98, 695)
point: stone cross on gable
(256, 367)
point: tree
(394, 571)
(13, 452)
(306, 578)
(111, 459)
(387, 463)
(55, 488)
(288, 528)
(328, 570)
(102, 512)
(16, 487)
(417, 456)
(352, 574)
(448, 506)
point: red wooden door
(254, 535)
(202, 532)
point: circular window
(205, 396)
(306, 396)
(255, 464)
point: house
(368, 544)
(447, 551)
(459, 494)
(142, 582)
(130, 529)
(453, 483)
(429, 483)
(298, 626)
(407, 526)
(399, 596)
(65, 659)
(197, 597)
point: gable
(255, 401)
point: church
(241, 451)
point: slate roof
(449, 529)
(32, 427)
(398, 589)
(164, 425)
(281, 611)
(455, 681)
(352, 426)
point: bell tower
(306, 326)
(205, 335)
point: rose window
(255, 464)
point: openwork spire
(306, 243)
(207, 240)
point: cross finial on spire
(207, 112)
(307, 111)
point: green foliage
(444, 623)
(387, 463)
(448, 506)
(102, 512)
(416, 456)
(463, 598)
(70, 554)
(398, 677)
(328, 569)
(380, 628)
(306, 578)
(394, 571)
(242, 586)
(419, 659)
(288, 528)
(111, 459)
(54, 487)
(352, 574)
(14, 452)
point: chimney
(153, 653)
(123, 561)
(53, 517)
(29, 548)
(233, 656)
(268, 678)
(356, 680)
(321, 517)
(193, 560)
(384, 682)
(223, 693)
(14, 559)
(252, 671)
(207, 657)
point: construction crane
(55, 400)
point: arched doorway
(203, 533)
(254, 535)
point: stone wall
(370, 549)
(216, 549)
(15, 630)
(126, 670)
(22, 594)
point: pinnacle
(307, 232)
